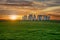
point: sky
(43, 6)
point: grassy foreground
(30, 30)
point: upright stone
(30, 17)
(39, 17)
(34, 17)
(25, 17)
(46, 18)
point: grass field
(29, 30)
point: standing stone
(34, 17)
(30, 17)
(39, 17)
(25, 17)
(46, 18)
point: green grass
(30, 30)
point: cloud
(50, 3)
(51, 8)
(47, 3)
(44, 5)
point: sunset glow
(13, 17)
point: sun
(13, 17)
